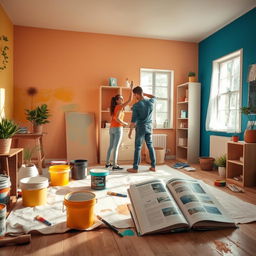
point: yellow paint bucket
(34, 191)
(80, 209)
(59, 175)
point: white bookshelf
(188, 122)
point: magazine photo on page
(177, 205)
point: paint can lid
(4, 181)
(34, 183)
(99, 172)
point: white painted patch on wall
(218, 145)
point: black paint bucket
(79, 169)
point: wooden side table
(10, 164)
(38, 138)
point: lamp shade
(252, 73)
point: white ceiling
(185, 20)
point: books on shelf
(174, 206)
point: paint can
(59, 175)
(80, 209)
(5, 185)
(34, 190)
(79, 169)
(98, 178)
(2, 219)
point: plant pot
(192, 79)
(206, 163)
(222, 171)
(5, 145)
(250, 136)
(28, 171)
(235, 138)
(37, 128)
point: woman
(116, 127)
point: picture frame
(112, 81)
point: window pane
(234, 101)
(235, 83)
(162, 120)
(161, 106)
(223, 102)
(146, 78)
(233, 120)
(224, 85)
(147, 89)
(161, 92)
(161, 79)
(236, 67)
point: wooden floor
(241, 241)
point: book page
(197, 203)
(154, 207)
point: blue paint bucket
(5, 186)
(98, 178)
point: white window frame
(216, 79)
(170, 109)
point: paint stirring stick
(41, 219)
(116, 194)
(110, 226)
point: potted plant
(38, 117)
(8, 128)
(250, 132)
(28, 169)
(191, 76)
(221, 163)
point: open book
(178, 205)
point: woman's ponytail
(113, 104)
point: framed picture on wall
(112, 81)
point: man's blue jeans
(116, 134)
(143, 133)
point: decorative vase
(206, 163)
(250, 136)
(5, 145)
(235, 138)
(27, 171)
(222, 171)
(192, 79)
(37, 128)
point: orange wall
(68, 67)
(6, 75)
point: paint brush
(116, 194)
(41, 219)
(110, 226)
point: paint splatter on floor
(122, 209)
(221, 246)
(128, 232)
(106, 210)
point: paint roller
(23, 239)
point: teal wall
(240, 34)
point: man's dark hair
(137, 90)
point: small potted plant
(28, 169)
(191, 76)
(250, 132)
(8, 128)
(221, 163)
(38, 117)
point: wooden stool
(10, 164)
(38, 138)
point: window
(225, 98)
(160, 84)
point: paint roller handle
(23, 239)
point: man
(142, 120)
